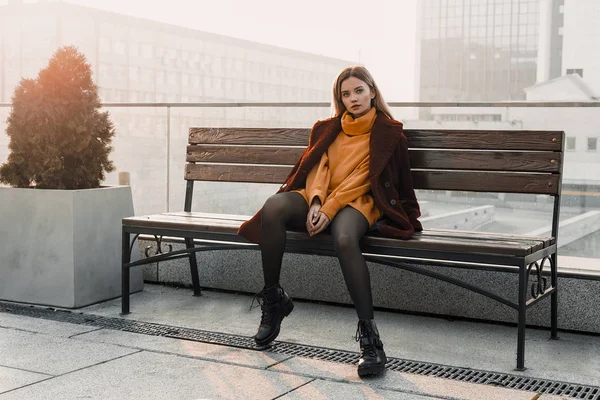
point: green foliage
(59, 139)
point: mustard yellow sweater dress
(342, 176)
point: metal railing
(417, 104)
(171, 125)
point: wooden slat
(252, 136)
(244, 155)
(546, 161)
(486, 182)
(488, 140)
(466, 246)
(196, 214)
(547, 240)
(236, 173)
(417, 138)
(162, 221)
(437, 159)
(533, 244)
(434, 180)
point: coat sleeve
(354, 186)
(406, 191)
(311, 139)
(317, 181)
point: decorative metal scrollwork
(158, 247)
(539, 287)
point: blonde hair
(359, 72)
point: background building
(581, 33)
(534, 50)
(481, 50)
(141, 61)
(136, 60)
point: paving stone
(11, 378)
(206, 351)
(323, 390)
(52, 355)
(38, 325)
(391, 380)
(149, 376)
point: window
(104, 45)
(571, 143)
(120, 47)
(160, 77)
(578, 71)
(134, 50)
(592, 143)
(104, 71)
(147, 50)
(134, 73)
(147, 75)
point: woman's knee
(286, 207)
(273, 208)
(345, 241)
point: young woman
(353, 177)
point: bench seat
(206, 226)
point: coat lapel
(383, 142)
(323, 136)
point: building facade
(581, 33)
(485, 50)
(136, 60)
(141, 61)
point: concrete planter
(63, 247)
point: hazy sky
(378, 33)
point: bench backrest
(479, 161)
(528, 162)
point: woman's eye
(345, 94)
(359, 91)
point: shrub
(59, 138)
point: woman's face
(356, 96)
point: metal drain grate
(536, 385)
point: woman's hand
(319, 225)
(313, 214)
(316, 221)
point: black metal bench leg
(522, 318)
(189, 243)
(554, 298)
(126, 257)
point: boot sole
(288, 310)
(375, 370)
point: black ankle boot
(372, 357)
(275, 305)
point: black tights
(289, 210)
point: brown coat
(389, 173)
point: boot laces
(267, 315)
(367, 346)
(259, 298)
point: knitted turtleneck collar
(358, 126)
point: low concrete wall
(464, 220)
(319, 278)
(573, 228)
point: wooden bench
(527, 162)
